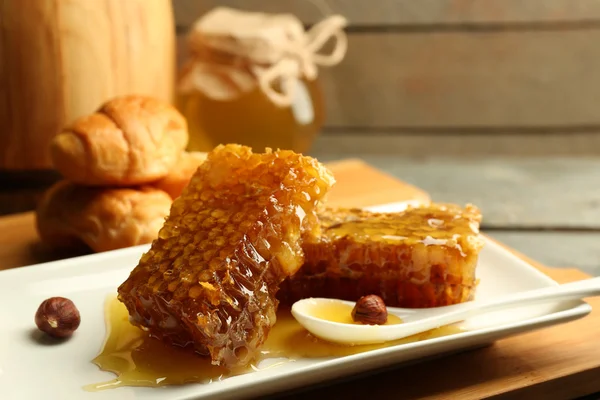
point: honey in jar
(252, 78)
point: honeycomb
(209, 280)
(423, 257)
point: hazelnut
(370, 310)
(57, 317)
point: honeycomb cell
(422, 257)
(231, 238)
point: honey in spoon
(140, 360)
(342, 313)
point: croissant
(130, 140)
(101, 218)
(179, 177)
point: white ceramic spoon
(421, 320)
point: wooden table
(560, 362)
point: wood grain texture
(460, 143)
(407, 12)
(60, 60)
(360, 185)
(21, 245)
(454, 79)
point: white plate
(29, 370)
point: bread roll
(180, 175)
(102, 218)
(130, 140)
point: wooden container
(60, 59)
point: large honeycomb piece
(209, 280)
(422, 257)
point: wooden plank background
(436, 65)
(460, 143)
(408, 12)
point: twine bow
(301, 57)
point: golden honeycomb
(209, 280)
(422, 257)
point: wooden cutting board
(559, 362)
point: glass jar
(255, 84)
(253, 120)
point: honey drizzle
(436, 225)
(140, 360)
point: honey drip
(140, 360)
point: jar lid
(233, 51)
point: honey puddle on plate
(139, 360)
